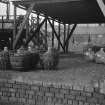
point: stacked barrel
(50, 59)
(24, 59)
(28, 59)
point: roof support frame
(22, 25)
(46, 32)
(102, 6)
(59, 33)
(8, 9)
(93, 17)
(67, 45)
(69, 35)
(38, 22)
(41, 14)
(35, 32)
(64, 39)
(27, 29)
(53, 22)
(2, 21)
(14, 23)
(44, 1)
(56, 34)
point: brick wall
(41, 93)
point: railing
(4, 20)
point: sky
(3, 9)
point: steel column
(27, 29)
(55, 33)
(64, 33)
(8, 9)
(70, 34)
(37, 19)
(38, 35)
(46, 32)
(2, 23)
(35, 32)
(23, 24)
(67, 45)
(14, 29)
(102, 6)
(59, 33)
(64, 36)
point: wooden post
(55, 34)
(23, 24)
(14, 30)
(52, 34)
(59, 33)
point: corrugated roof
(68, 11)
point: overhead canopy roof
(68, 11)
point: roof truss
(46, 1)
(67, 11)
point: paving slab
(73, 70)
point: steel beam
(67, 45)
(38, 34)
(24, 8)
(23, 24)
(2, 21)
(35, 32)
(59, 33)
(38, 14)
(70, 34)
(14, 23)
(64, 33)
(8, 9)
(46, 32)
(55, 34)
(27, 29)
(46, 1)
(102, 6)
